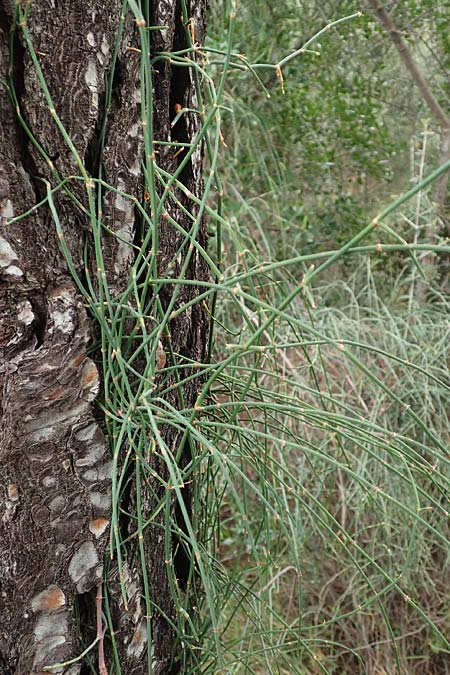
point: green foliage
(320, 536)
(340, 130)
(333, 525)
(329, 126)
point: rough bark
(54, 458)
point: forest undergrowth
(319, 536)
(332, 413)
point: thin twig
(100, 632)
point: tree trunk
(55, 456)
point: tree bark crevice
(55, 501)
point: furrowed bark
(55, 501)
(187, 337)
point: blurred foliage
(304, 171)
(335, 141)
